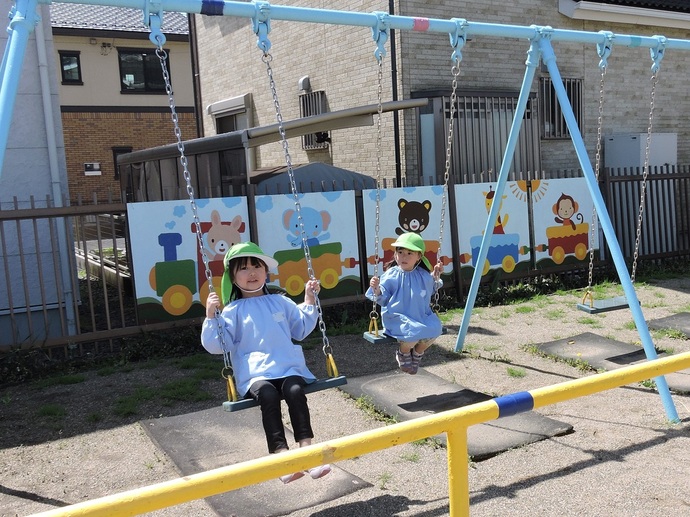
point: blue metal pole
(21, 25)
(532, 62)
(549, 59)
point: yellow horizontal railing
(454, 423)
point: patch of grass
(383, 479)
(630, 325)
(516, 372)
(525, 309)
(187, 390)
(106, 371)
(412, 457)
(52, 411)
(669, 333)
(61, 380)
(554, 314)
(365, 404)
(129, 406)
(649, 383)
(94, 418)
(592, 322)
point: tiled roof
(98, 17)
(681, 6)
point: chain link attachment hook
(458, 38)
(261, 25)
(380, 34)
(657, 53)
(153, 19)
(604, 48)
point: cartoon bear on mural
(413, 216)
(315, 225)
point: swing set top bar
(266, 10)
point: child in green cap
(404, 293)
(258, 331)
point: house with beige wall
(338, 63)
(113, 98)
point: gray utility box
(628, 149)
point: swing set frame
(24, 17)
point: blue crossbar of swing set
(24, 18)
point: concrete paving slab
(608, 354)
(680, 322)
(214, 438)
(411, 396)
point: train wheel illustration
(294, 285)
(508, 263)
(329, 278)
(558, 255)
(487, 267)
(177, 300)
(204, 290)
(152, 278)
(581, 251)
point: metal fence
(75, 297)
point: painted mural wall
(540, 225)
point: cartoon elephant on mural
(315, 225)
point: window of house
(552, 121)
(70, 68)
(140, 71)
(313, 103)
(232, 114)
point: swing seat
(381, 339)
(604, 305)
(318, 385)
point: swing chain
(163, 56)
(657, 54)
(267, 58)
(379, 91)
(458, 40)
(645, 174)
(597, 169)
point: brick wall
(339, 60)
(90, 137)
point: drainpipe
(54, 169)
(194, 56)
(396, 118)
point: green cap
(243, 249)
(413, 242)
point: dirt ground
(66, 443)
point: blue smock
(258, 334)
(405, 300)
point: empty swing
(589, 304)
(334, 379)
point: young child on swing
(258, 331)
(404, 293)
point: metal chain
(455, 70)
(162, 56)
(645, 174)
(267, 58)
(373, 315)
(597, 169)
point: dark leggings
(268, 394)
